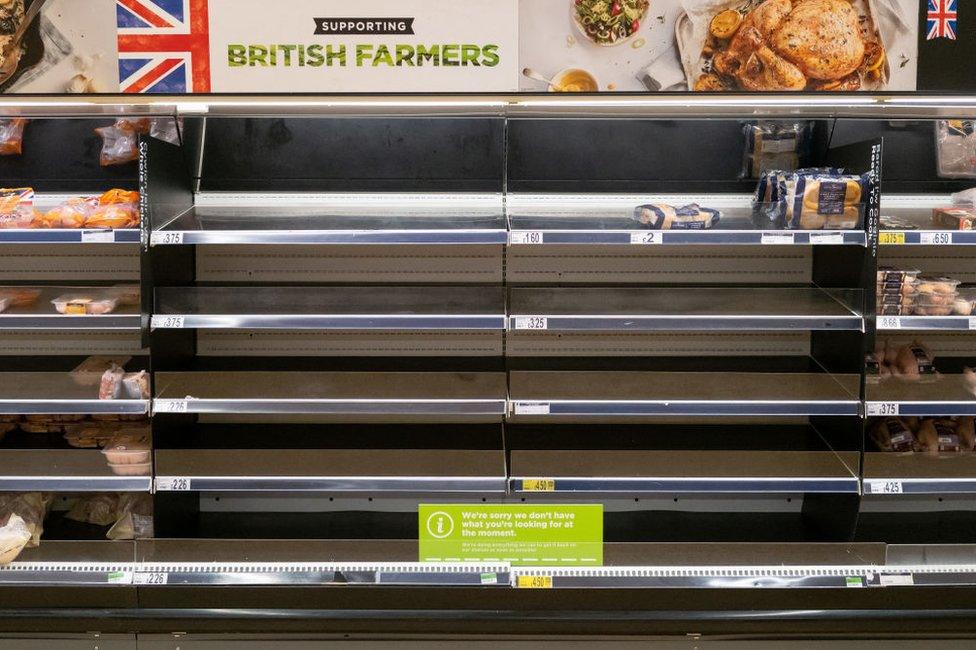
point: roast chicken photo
(790, 45)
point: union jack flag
(164, 46)
(942, 19)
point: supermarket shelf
(888, 473)
(331, 470)
(73, 563)
(58, 470)
(428, 219)
(334, 308)
(30, 393)
(43, 316)
(916, 211)
(944, 323)
(608, 219)
(568, 396)
(938, 395)
(683, 308)
(395, 395)
(683, 471)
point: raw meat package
(667, 217)
(16, 207)
(111, 384)
(20, 296)
(892, 434)
(89, 372)
(127, 449)
(12, 137)
(73, 213)
(135, 385)
(82, 304)
(936, 436)
(120, 142)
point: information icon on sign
(440, 524)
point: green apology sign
(526, 535)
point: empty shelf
(331, 470)
(685, 471)
(74, 470)
(30, 393)
(568, 396)
(915, 212)
(935, 395)
(72, 563)
(42, 315)
(919, 473)
(335, 308)
(541, 219)
(394, 395)
(426, 219)
(683, 308)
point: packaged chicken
(89, 372)
(667, 217)
(935, 296)
(892, 434)
(820, 201)
(120, 142)
(111, 384)
(95, 509)
(14, 537)
(31, 508)
(128, 295)
(913, 362)
(73, 213)
(82, 304)
(135, 517)
(16, 207)
(117, 196)
(20, 296)
(127, 449)
(965, 303)
(135, 385)
(938, 435)
(12, 137)
(969, 379)
(966, 430)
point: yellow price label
(534, 582)
(891, 238)
(538, 485)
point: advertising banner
(521, 534)
(419, 46)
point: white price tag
(527, 237)
(167, 238)
(531, 408)
(972, 323)
(889, 322)
(172, 484)
(170, 406)
(884, 487)
(936, 238)
(777, 239)
(882, 408)
(97, 236)
(531, 323)
(151, 578)
(646, 238)
(826, 238)
(897, 580)
(168, 322)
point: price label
(936, 238)
(538, 485)
(151, 578)
(531, 323)
(168, 322)
(170, 406)
(891, 238)
(821, 238)
(534, 582)
(97, 236)
(882, 408)
(172, 484)
(972, 323)
(167, 238)
(118, 577)
(531, 408)
(885, 487)
(489, 578)
(854, 581)
(896, 580)
(778, 239)
(889, 322)
(526, 237)
(646, 238)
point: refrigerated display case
(349, 309)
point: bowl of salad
(609, 22)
